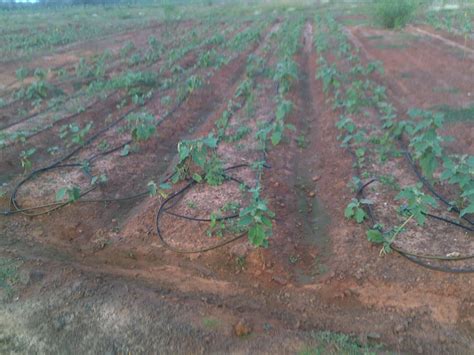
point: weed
(210, 323)
(301, 141)
(337, 343)
(21, 73)
(293, 259)
(73, 193)
(394, 14)
(355, 210)
(25, 156)
(8, 275)
(241, 262)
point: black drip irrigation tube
(15, 207)
(432, 190)
(175, 197)
(419, 258)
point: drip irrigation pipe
(180, 193)
(430, 187)
(15, 206)
(418, 258)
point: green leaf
(245, 220)
(468, 209)
(349, 211)
(61, 193)
(152, 188)
(276, 137)
(197, 177)
(74, 193)
(165, 186)
(256, 235)
(360, 215)
(125, 150)
(183, 151)
(266, 221)
(375, 236)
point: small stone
(316, 178)
(312, 194)
(280, 280)
(399, 328)
(373, 336)
(36, 233)
(242, 328)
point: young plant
(425, 141)
(459, 170)
(75, 133)
(153, 189)
(417, 202)
(142, 126)
(70, 193)
(198, 160)
(355, 210)
(256, 219)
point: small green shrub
(394, 14)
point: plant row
(354, 92)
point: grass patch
(8, 275)
(393, 14)
(337, 343)
(355, 21)
(210, 323)
(450, 90)
(390, 46)
(374, 37)
(406, 75)
(455, 114)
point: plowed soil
(96, 279)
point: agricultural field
(286, 177)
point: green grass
(210, 323)
(337, 343)
(390, 46)
(393, 14)
(8, 275)
(449, 90)
(374, 37)
(455, 114)
(355, 21)
(406, 75)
